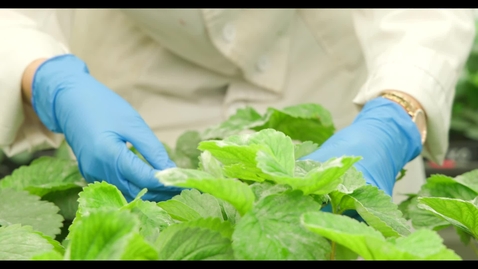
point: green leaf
(200, 239)
(44, 175)
(438, 186)
(186, 154)
(22, 243)
(344, 254)
(274, 223)
(423, 219)
(370, 244)
(48, 256)
(304, 149)
(210, 165)
(343, 230)
(377, 209)
(316, 178)
(264, 189)
(244, 119)
(237, 156)
(231, 190)
(102, 235)
(460, 213)
(21, 207)
(66, 200)
(444, 186)
(465, 237)
(152, 218)
(293, 120)
(277, 156)
(100, 195)
(468, 179)
(423, 244)
(191, 205)
(138, 249)
(405, 205)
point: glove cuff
(51, 77)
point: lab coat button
(263, 64)
(228, 33)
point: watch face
(419, 120)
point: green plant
(248, 197)
(445, 201)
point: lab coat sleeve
(22, 40)
(419, 52)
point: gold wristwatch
(413, 109)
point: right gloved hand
(97, 123)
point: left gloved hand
(384, 135)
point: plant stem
(332, 253)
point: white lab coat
(188, 69)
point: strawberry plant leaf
(186, 154)
(98, 196)
(371, 245)
(231, 190)
(344, 254)
(238, 158)
(264, 189)
(460, 213)
(244, 119)
(313, 177)
(21, 207)
(468, 179)
(444, 186)
(44, 175)
(423, 219)
(23, 243)
(191, 205)
(102, 235)
(229, 212)
(465, 237)
(210, 165)
(48, 256)
(437, 186)
(152, 218)
(274, 223)
(293, 120)
(138, 249)
(406, 204)
(66, 200)
(425, 244)
(343, 230)
(377, 209)
(277, 155)
(200, 239)
(304, 149)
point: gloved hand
(97, 123)
(384, 135)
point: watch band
(417, 114)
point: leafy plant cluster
(248, 196)
(444, 201)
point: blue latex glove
(384, 135)
(97, 123)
